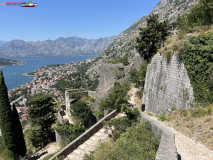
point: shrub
(138, 77)
(82, 114)
(183, 113)
(69, 132)
(115, 99)
(138, 142)
(201, 111)
(162, 117)
(197, 57)
(174, 108)
(199, 15)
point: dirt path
(190, 149)
(187, 148)
(133, 98)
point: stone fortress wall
(167, 85)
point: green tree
(20, 142)
(82, 113)
(42, 114)
(6, 117)
(115, 99)
(152, 36)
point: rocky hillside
(72, 46)
(124, 44)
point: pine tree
(6, 117)
(20, 142)
(152, 36)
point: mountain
(2, 43)
(124, 43)
(72, 46)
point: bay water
(13, 74)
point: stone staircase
(89, 145)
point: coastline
(27, 74)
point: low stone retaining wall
(167, 149)
(85, 136)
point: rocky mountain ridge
(71, 46)
(124, 44)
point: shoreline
(27, 74)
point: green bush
(201, 111)
(199, 15)
(138, 142)
(162, 117)
(82, 114)
(139, 77)
(197, 57)
(122, 123)
(115, 99)
(69, 132)
(183, 113)
(123, 60)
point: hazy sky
(64, 18)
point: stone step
(99, 134)
(78, 151)
(103, 130)
(83, 146)
(89, 142)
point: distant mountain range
(72, 46)
(2, 43)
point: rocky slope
(72, 46)
(125, 42)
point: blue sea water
(12, 74)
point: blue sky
(65, 18)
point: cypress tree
(6, 117)
(20, 142)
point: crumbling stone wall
(167, 85)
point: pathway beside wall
(188, 148)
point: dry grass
(198, 128)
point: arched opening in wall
(143, 107)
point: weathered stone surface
(167, 85)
